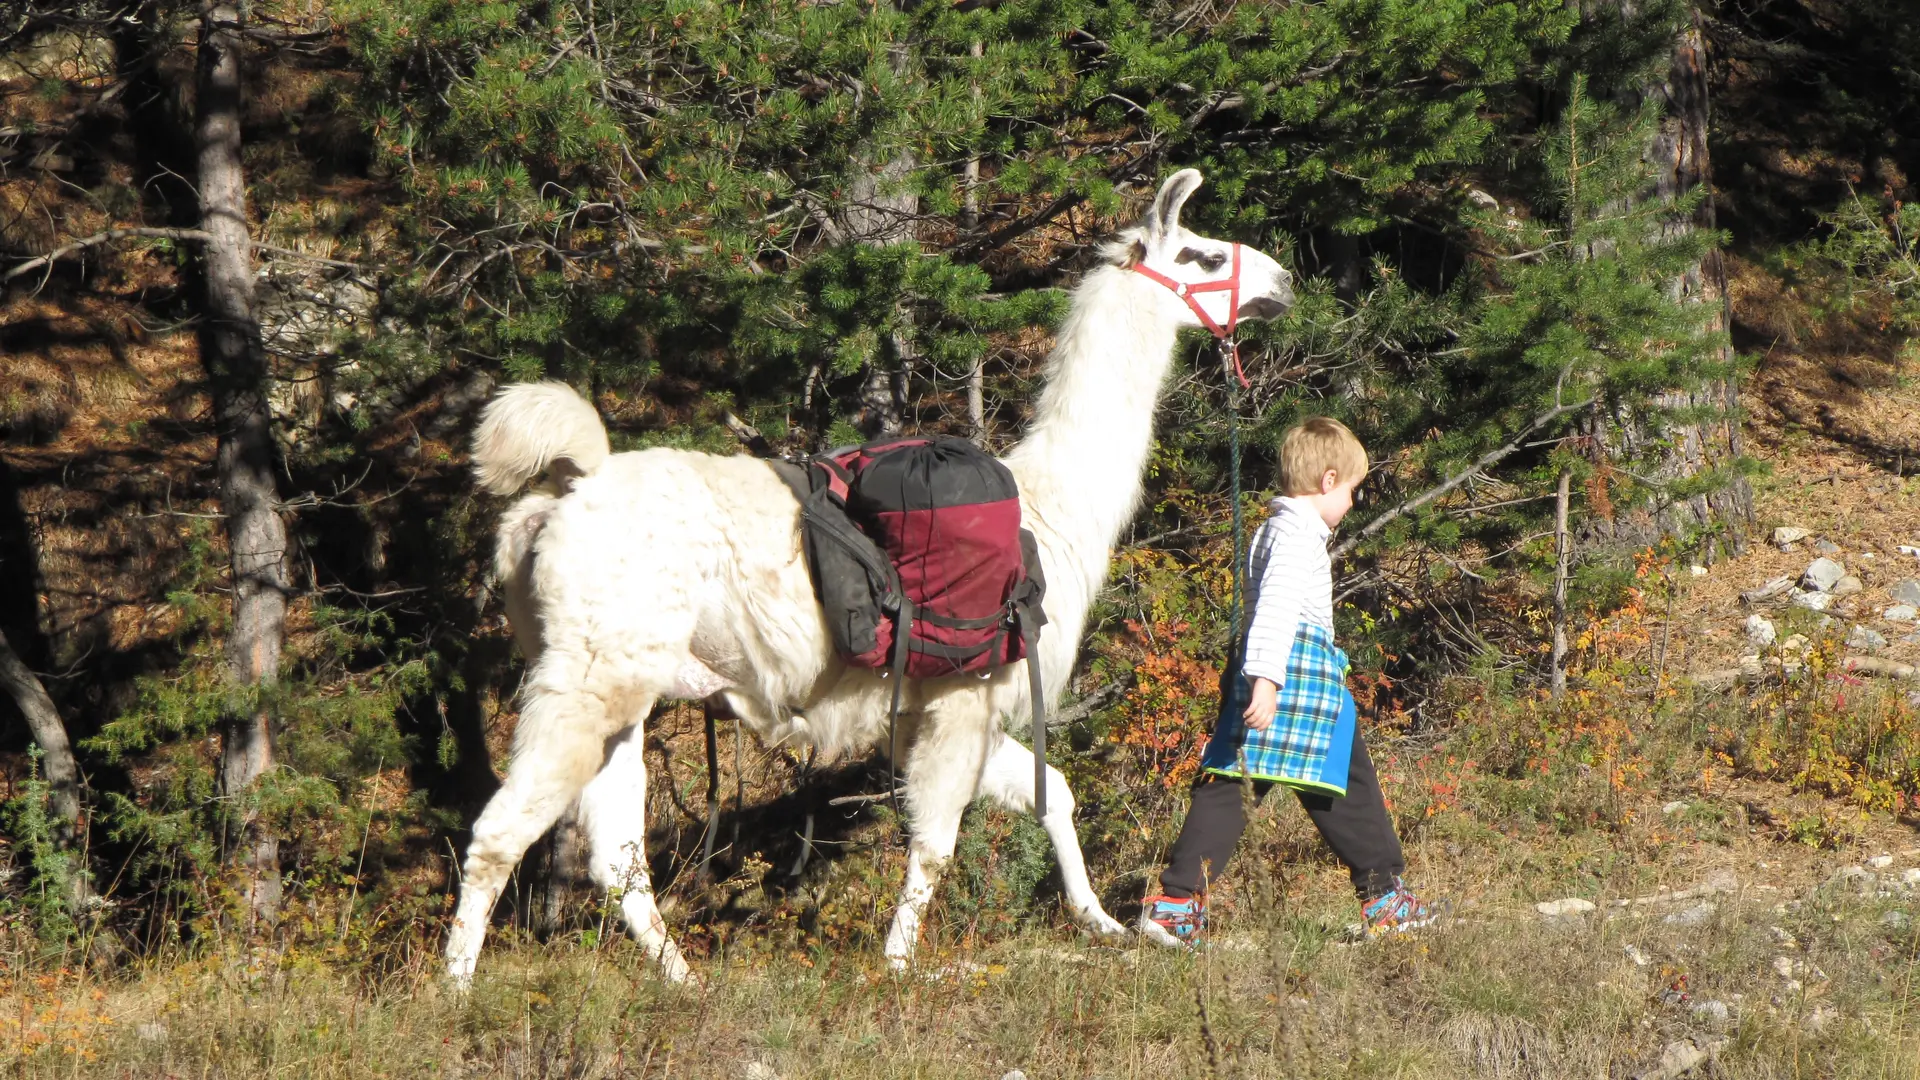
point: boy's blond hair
(1312, 447)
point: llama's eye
(1208, 260)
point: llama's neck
(1080, 465)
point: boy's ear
(1329, 480)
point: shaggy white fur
(664, 573)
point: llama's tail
(531, 428)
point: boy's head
(1322, 461)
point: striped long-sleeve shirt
(1289, 560)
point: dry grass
(1499, 993)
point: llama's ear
(1165, 215)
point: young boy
(1298, 674)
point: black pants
(1356, 827)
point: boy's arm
(1276, 613)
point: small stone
(1639, 958)
(1822, 573)
(1712, 1012)
(1812, 601)
(1014, 1074)
(1906, 592)
(1760, 630)
(1798, 643)
(1572, 905)
(758, 1070)
(1847, 586)
(1895, 920)
(1789, 534)
(1826, 547)
(1901, 613)
(1783, 966)
(1868, 640)
(150, 1032)
(1857, 878)
(1675, 807)
(1783, 938)
(1697, 915)
(1818, 1019)
(1879, 862)
(1772, 588)
(1697, 570)
(1911, 876)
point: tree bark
(969, 221)
(1680, 156)
(1562, 553)
(56, 761)
(236, 364)
(873, 215)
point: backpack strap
(902, 633)
(1030, 633)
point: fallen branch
(108, 236)
(104, 237)
(1486, 460)
(1091, 703)
(1874, 665)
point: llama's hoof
(1104, 927)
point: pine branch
(104, 237)
(108, 236)
(1486, 461)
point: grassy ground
(1812, 977)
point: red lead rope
(1230, 285)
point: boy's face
(1334, 499)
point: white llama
(670, 574)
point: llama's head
(1199, 272)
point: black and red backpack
(920, 564)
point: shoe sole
(1161, 936)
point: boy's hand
(1259, 714)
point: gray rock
(1901, 613)
(1787, 535)
(1906, 592)
(1812, 601)
(1572, 905)
(1911, 877)
(1867, 640)
(1712, 1012)
(1896, 920)
(1822, 573)
(1014, 1074)
(758, 1070)
(1826, 547)
(1677, 806)
(1697, 915)
(1760, 630)
(1847, 586)
(1879, 862)
(1768, 591)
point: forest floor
(1738, 928)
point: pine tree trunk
(970, 220)
(56, 761)
(874, 215)
(1680, 156)
(1563, 557)
(235, 360)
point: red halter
(1230, 285)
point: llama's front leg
(943, 772)
(559, 748)
(1008, 780)
(613, 810)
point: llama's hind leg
(943, 771)
(613, 809)
(1008, 780)
(558, 749)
